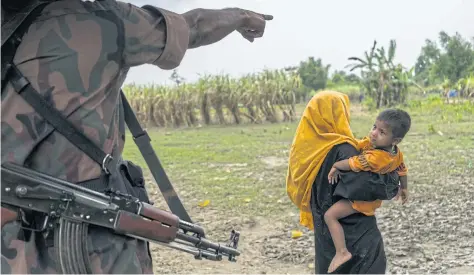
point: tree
(313, 73)
(384, 81)
(458, 57)
(339, 77)
(453, 60)
(430, 54)
(352, 79)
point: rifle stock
(58, 199)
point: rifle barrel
(195, 252)
(204, 243)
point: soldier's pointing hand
(208, 26)
(253, 25)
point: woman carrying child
(322, 139)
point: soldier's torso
(72, 55)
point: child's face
(381, 135)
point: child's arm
(403, 193)
(402, 171)
(404, 182)
(374, 161)
(342, 165)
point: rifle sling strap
(17, 22)
(143, 142)
(23, 87)
(13, 28)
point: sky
(332, 30)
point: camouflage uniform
(77, 54)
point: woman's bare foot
(339, 259)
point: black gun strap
(14, 23)
(23, 87)
(143, 142)
(13, 27)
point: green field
(241, 170)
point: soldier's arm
(158, 38)
(208, 26)
(161, 37)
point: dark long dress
(363, 237)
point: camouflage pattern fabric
(77, 55)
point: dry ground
(241, 170)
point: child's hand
(402, 194)
(334, 175)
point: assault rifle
(75, 207)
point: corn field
(255, 98)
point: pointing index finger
(267, 16)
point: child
(379, 154)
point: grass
(243, 168)
(223, 164)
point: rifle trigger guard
(24, 221)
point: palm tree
(384, 81)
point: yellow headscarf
(324, 124)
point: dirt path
(265, 244)
(432, 234)
(262, 245)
